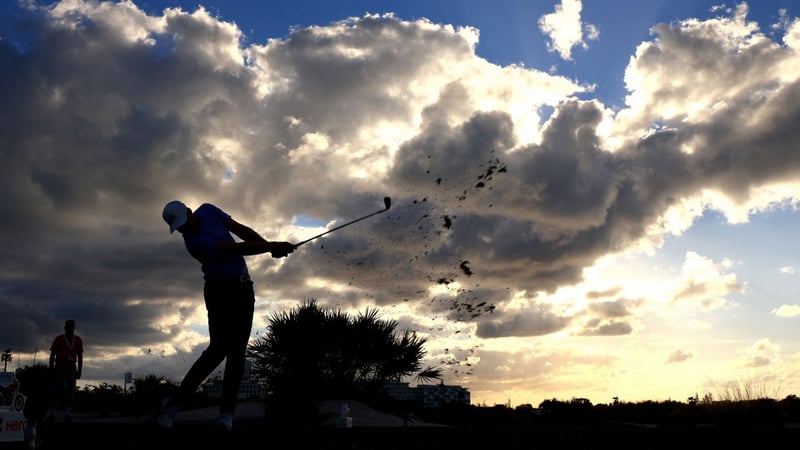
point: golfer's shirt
(203, 244)
(67, 349)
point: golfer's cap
(174, 214)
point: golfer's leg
(238, 335)
(213, 355)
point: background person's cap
(174, 214)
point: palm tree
(310, 353)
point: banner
(12, 425)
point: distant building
(429, 395)
(248, 389)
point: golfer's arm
(247, 247)
(244, 232)
(252, 243)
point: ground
(380, 431)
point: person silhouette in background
(229, 299)
(66, 365)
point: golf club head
(387, 201)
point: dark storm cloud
(537, 321)
(98, 132)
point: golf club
(387, 202)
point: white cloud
(704, 283)
(787, 311)
(565, 28)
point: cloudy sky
(586, 201)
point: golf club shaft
(387, 202)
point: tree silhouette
(309, 353)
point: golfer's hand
(282, 249)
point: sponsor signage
(12, 426)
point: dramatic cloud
(497, 210)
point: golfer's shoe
(225, 421)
